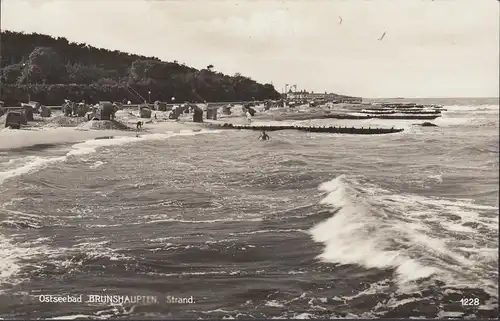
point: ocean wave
(8, 263)
(476, 150)
(96, 164)
(418, 237)
(481, 115)
(172, 220)
(23, 261)
(14, 255)
(29, 164)
(473, 108)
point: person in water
(264, 136)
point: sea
(217, 224)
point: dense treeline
(46, 69)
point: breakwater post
(314, 129)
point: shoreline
(74, 130)
(59, 129)
(16, 139)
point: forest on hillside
(47, 69)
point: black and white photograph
(249, 159)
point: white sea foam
(14, 255)
(11, 255)
(377, 228)
(469, 115)
(473, 108)
(206, 221)
(27, 165)
(96, 164)
(30, 164)
(8, 264)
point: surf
(417, 237)
(27, 164)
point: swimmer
(264, 136)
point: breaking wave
(20, 166)
(452, 240)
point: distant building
(326, 96)
(296, 95)
(352, 100)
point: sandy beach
(48, 131)
(59, 129)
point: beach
(49, 131)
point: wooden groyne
(411, 112)
(313, 129)
(404, 110)
(382, 116)
(407, 105)
(349, 116)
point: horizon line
(440, 97)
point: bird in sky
(383, 35)
(340, 20)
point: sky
(440, 48)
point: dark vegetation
(49, 70)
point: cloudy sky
(441, 48)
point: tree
(11, 73)
(53, 69)
(43, 66)
(81, 74)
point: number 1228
(469, 301)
